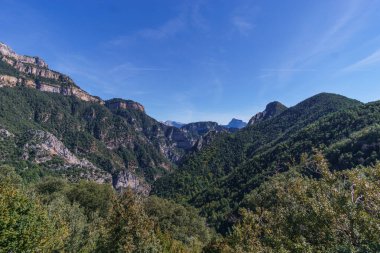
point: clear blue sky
(201, 60)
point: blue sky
(197, 60)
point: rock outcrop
(43, 147)
(271, 110)
(10, 54)
(194, 131)
(118, 103)
(4, 134)
(33, 72)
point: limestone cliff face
(175, 142)
(33, 72)
(8, 81)
(118, 103)
(49, 152)
(10, 54)
(42, 147)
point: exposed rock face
(43, 147)
(205, 140)
(194, 131)
(201, 128)
(272, 109)
(8, 52)
(4, 134)
(118, 103)
(126, 179)
(11, 81)
(8, 81)
(193, 136)
(33, 72)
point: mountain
(236, 123)
(119, 103)
(200, 128)
(61, 150)
(33, 72)
(56, 127)
(174, 123)
(271, 110)
(221, 174)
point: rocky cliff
(119, 103)
(271, 110)
(33, 72)
(113, 141)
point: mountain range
(233, 124)
(71, 132)
(51, 128)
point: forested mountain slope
(80, 135)
(218, 177)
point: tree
(129, 229)
(337, 212)
(181, 223)
(24, 224)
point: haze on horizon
(197, 60)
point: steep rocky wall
(32, 68)
(9, 53)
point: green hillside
(218, 177)
(87, 129)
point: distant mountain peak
(174, 123)
(236, 123)
(271, 110)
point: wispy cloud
(113, 78)
(288, 70)
(169, 28)
(348, 21)
(242, 18)
(131, 67)
(189, 14)
(364, 63)
(242, 25)
(267, 73)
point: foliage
(87, 129)
(259, 186)
(339, 212)
(92, 197)
(217, 178)
(24, 223)
(180, 222)
(129, 229)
